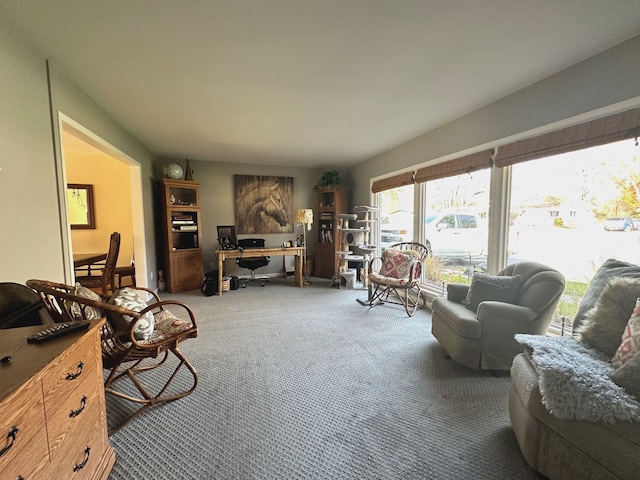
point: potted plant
(329, 179)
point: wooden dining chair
(124, 272)
(104, 283)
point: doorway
(117, 194)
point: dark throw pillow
(499, 288)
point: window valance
(392, 182)
(604, 130)
(466, 164)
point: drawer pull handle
(19, 477)
(12, 434)
(73, 376)
(83, 403)
(80, 466)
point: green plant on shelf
(329, 179)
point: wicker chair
(105, 282)
(398, 272)
(122, 353)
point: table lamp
(304, 216)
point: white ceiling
(316, 83)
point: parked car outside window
(397, 227)
(456, 233)
(619, 224)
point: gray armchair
(484, 338)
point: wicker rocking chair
(123, 352)
(398, 272)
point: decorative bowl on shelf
(174, 171)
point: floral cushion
(630, 345)
(166, 325)
(393, 282)
(84, 312)
(128, 298)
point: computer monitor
(227, 237)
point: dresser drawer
(32, 459)
(79, 364)
(22, 417)
(82, 454)
(75, 419)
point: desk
(87, 260)
(261, 252)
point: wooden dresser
(53, 421)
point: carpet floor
(309, 384)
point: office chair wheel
(262, 284)
(244, 285)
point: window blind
(466, 164)
(613, 128)
(392, 182)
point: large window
(396, 215)
(455, 226)
(570, 211)
(575, 210)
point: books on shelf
(184, 223)
(185, 228)
(327, 236)
(182, 219)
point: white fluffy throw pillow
(604, 324)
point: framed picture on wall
(263, 204)
(80, 206)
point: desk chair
(252, 263)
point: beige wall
(600, 85)
(30, 241)
(111, 187)
(34, 243)
(72, 104)
(216, 197)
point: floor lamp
(304, 216)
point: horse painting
(263, 204)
